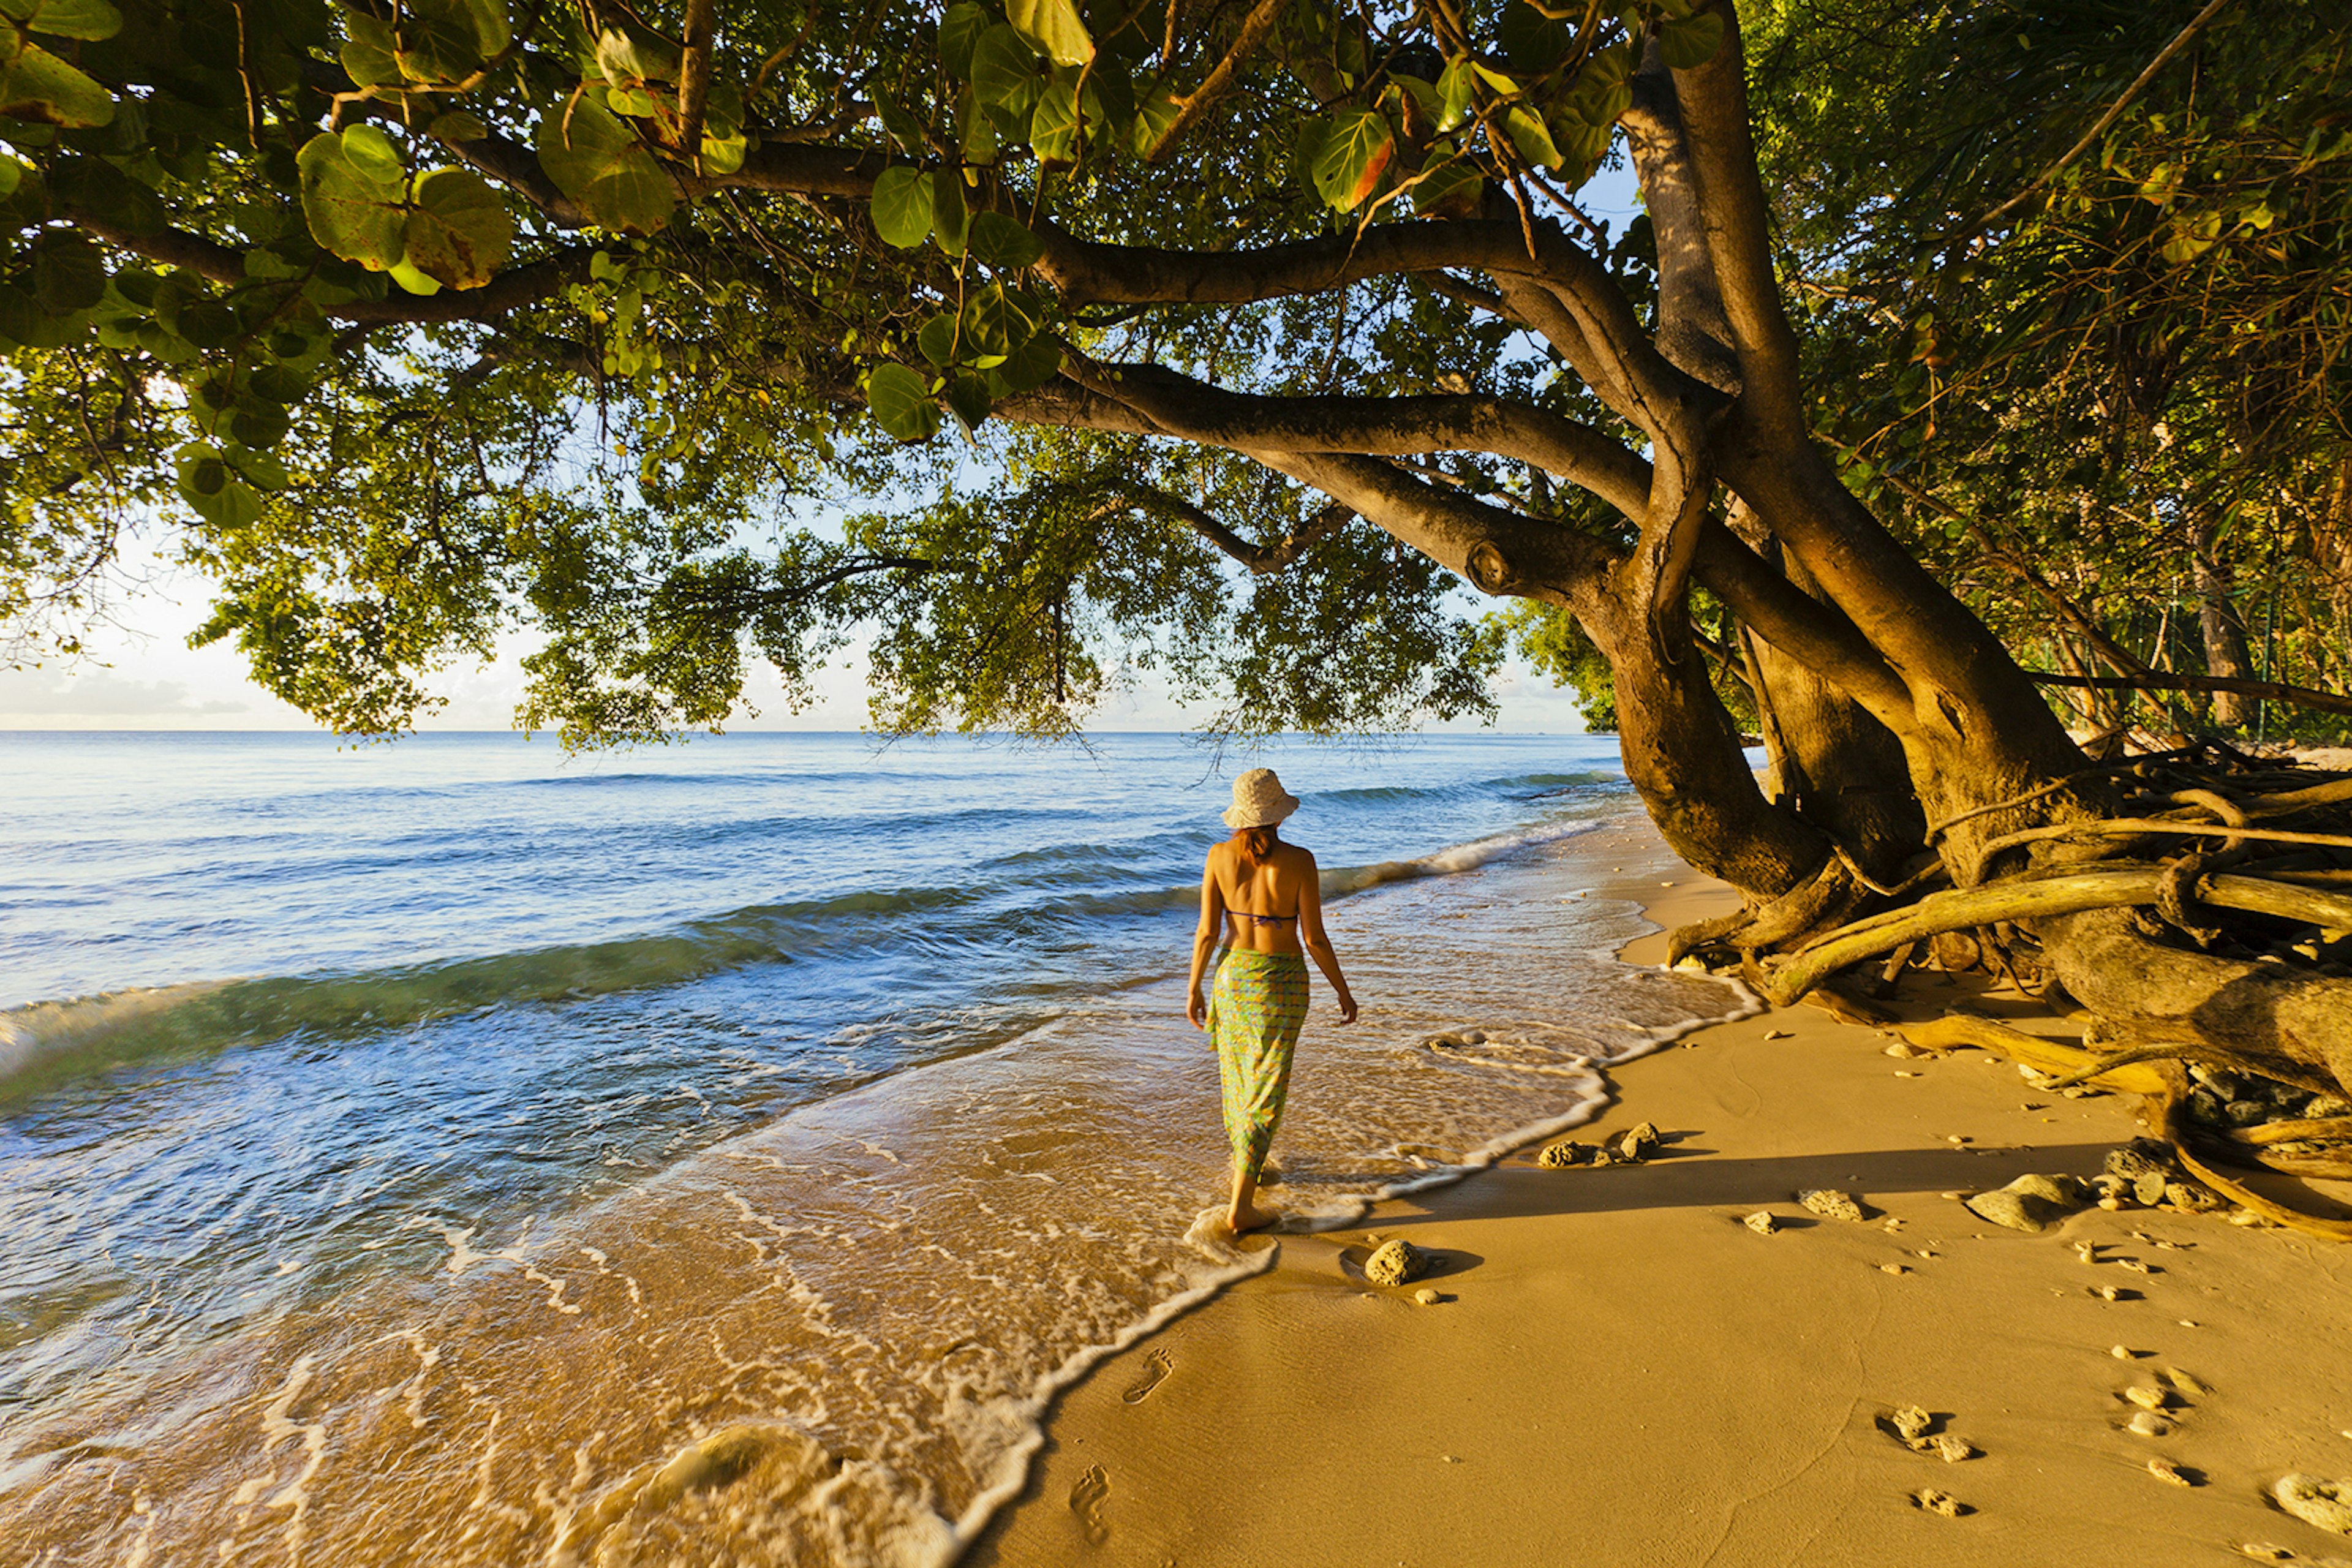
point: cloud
(99, 694)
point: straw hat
(1259, 800)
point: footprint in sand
(1155, 1372)
(1086, 1500)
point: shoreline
(1615, 1361)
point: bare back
(1265, 908)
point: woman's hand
(1196, 1009)
(1347, 1009)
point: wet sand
(1618, 1372)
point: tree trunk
(2226, 652)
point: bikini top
(1262, 920)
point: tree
(440, 315)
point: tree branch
(2273, 690)
(1189, 110)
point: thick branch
(2274, 691)
(1261, 560)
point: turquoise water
(455, 1152)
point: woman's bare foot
(1244, 1219)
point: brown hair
(1256, 843)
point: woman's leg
(1243, 1214)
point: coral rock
(1559, 1157)
(1639, 1143)
(1427, 1297)
(1763, 1222)
(1944, 1505)
(2032, 1202)
(2149, 1424)
(2323, 1503)
(1396, 1263)
(2165, 1470)
(1910, 1423)
(2148, 1398)
(1830, 1204)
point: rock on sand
(1830, 1204)
(1396, 1263)
(2032, 1202)
(2327, 1504)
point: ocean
(457, 1153)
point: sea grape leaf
(1454, 87)
(1003, 242)
(901, 126)
(1027, 367)
(38, 87)
(407, 273)
(1531, 41)
(1689, 41)
(938, 339)
(902, 403)
(1531, 137)
(1053, 126)
(11, 172)
(1054, 26)
(1452, 189)
(632, 57)
(1153, 117)
(950, 219)
(960, 32)
(724, 154)
(448, 40)
(901, 207)
(87, 19)
(459, 232)
(599, 162)
(355, 195)
(367, 51)
(207, 483)
(1004, 74)
(967, 400)
(68, 273)
(1347, 167)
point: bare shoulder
(1297, 857)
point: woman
(1262, 895)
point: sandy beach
(1617, 1371)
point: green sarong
(1255, 1010)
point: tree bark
(2226, 653)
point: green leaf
(89, 19)
(406, 273)
(960, 32)
(12, 170)
(1347, 167)
(448, 40)
(38, 87)
(950, 219)
(938, 339)
(1454, 89)
(1495, 80)
(724, 154)
(1154, 116)
(1531, 137)
(1003, 243)
(599, 162)
(901, 402)
(1053, 127)
(967, 400)
(68, 273)
(206, 484)
(902, 127)
(457, 125)
(354, 196)
(460, 232)
(635, 56)
(1004, 71)
(1532, 42)
(1691, 40)
(1028, 367)
(260, 429)
(1452, 189)
(367, 51)
(902, 206)
(1054, 26)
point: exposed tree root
(1958, 1030)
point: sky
(141, 673)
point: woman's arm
(1204, 938)
(1318, 944)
